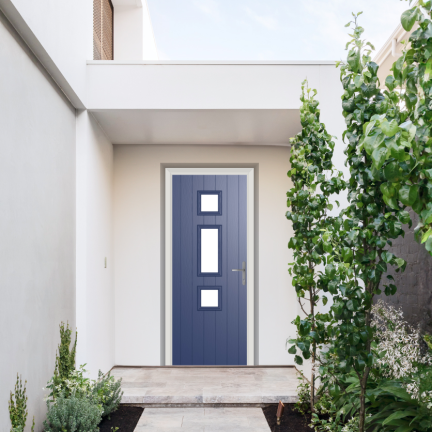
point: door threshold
(206, 366)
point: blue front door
(209, 242)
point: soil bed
(291, 420)
(125, 418)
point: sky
(266, 29)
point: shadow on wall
(414, 286)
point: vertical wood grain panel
(198, 316)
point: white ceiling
(228, 126)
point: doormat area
(292, 421)
(125, 418)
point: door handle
(243, 270)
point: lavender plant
(72, 414)
(107, 391)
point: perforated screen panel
(103, 30)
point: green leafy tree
(409, 164)
(359, 258)
(309, 199)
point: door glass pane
(209, 298)
(209, 251)
(209, 203)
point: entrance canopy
(203, 103)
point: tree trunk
(312, 386)
(362, 413)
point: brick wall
(414, 293)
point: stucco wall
(95, 289)
(63, 28)
(138, 239)
(37, 222)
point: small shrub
(65, 361)
(326, 417)
(402, 354)
(76, 384)
(352, 425)
(108, 392)
(72, 414)
(18, 407)
(303, 391)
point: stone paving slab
(202, 420)
(259, 385)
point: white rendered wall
(37, 223)
(149, 42)
(138, 240)
(64, 29)
(128, 33)
(133, 32)
(211, 85)
(95, 289)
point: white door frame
(249, 172)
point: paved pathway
(146, 385)
(202, 420)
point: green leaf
(410, 100)
(352, 305)
(408, 18)
(404, 428)
(349, 105)
(298, 360)
(398, 152)
(330, 271)
(389, 128)
(408, 194)
(409, 128)
(347, 255)
(314, 335)
(396, 390)
(379, 156)
(387, 256)
(428, 71)
(400, 262)
(368, 127)
(392, 171)
(327, 247)
(292, 350)
(373, 141)
(324, 300)
(304, 328)
(354, 59)
(428, 245)
(389, 82)
(404, 217)
(398, 415)
(354, 339)
(426, 235)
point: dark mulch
(125, 418)
(292, 421)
